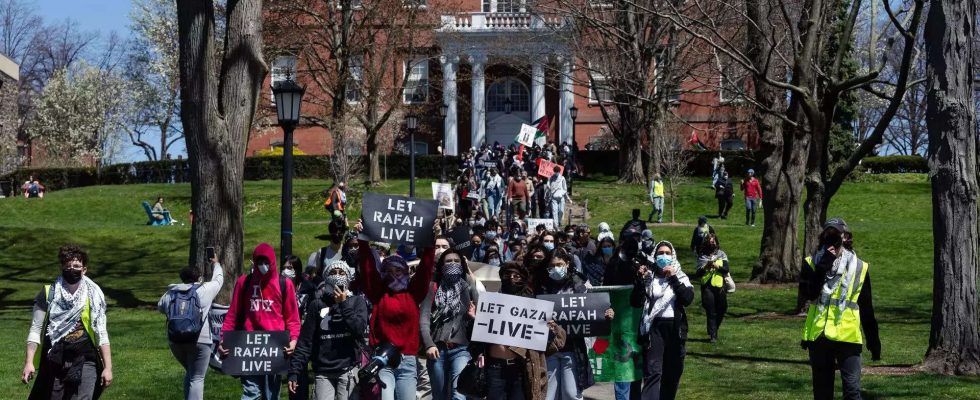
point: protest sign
(548, 223)
(526, 135)
(614, 357)
(442, 193)
(461, 238)
(582, 314)
(255, 353)
(512, 321)
(547, 168)
(398, 219)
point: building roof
(9, 68)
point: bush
(607, 162)
(895, 164)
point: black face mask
(509, 287)
(72, 276)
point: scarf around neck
(842, 273)
(65, 308)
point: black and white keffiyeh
(65, 308)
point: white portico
(527, 42)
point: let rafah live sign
(398, 219)
(581, 314)
(255, 353)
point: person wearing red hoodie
(263, 306)
(753, 197)
(395, 316)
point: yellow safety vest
(86, 324)
(847, 328)
(658, 189)
(713, 277)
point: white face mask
(263, 268)
(289, 273)
(557, 273)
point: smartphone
(210, 253)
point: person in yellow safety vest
(657, 198)
(712, 268)
(838, 286)
(69, 324)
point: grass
(757, 357)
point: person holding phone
(331, 336)
(838, 286)
(194, 356)
(663, 291)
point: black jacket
(684, 297)
(332, 342)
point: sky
(102, 16)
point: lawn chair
(152, 220)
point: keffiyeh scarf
(65, 308)
(842, 273)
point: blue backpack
(184, 317)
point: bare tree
(674, 166)
(954, 340)
(219, 95)
(354, 54)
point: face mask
(491, 235)
(397, 285)
(557, 273)
(607, 251)
(494, 262)
(352, 254)
(71, 276)
(549, 246)
(508, 286)
(263, 268)
(338, 280)
(663, 261)
(452, 272)
(289, 273)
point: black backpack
(184, 315)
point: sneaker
(753, 225)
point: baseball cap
(837, 223)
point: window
(353, 94)
(733, 80)
(416, 81)
(421, 148)
(599, 91)
(512, 89)
(504, 6)
(283, 68)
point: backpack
(33, 191)
(184, 316)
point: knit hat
(837, 223)
(339, 264)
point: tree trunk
(631, 162)
(218, 101)
(954, 341)
(817, 198)
(374, 165)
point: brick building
(496, 64)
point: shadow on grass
(747, 358)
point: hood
(672, 250)
(265, 250)
(603, 227)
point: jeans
(261, 387)
(751, 204)
(444, 372)
(506, 382)
(82, 390)
(658, 208)
(663, 361)
(561, 377)
(194, 358)
(715, 303)
(493, 204)
(622, 390)
(557, 211)
(399, 383)
(824, 356)
(337, 387)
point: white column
(567, 99)
(537, 90)
(478, 120)
(450, 127)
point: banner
(442, 193)
(461, 238)
(548, 223)
(616, 357)
(255, 353)
(547, 168)
(398, 219)
(581, 314)
(526, 136)
(512, 321)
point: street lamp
(443, 111)
(289, 97)
(411, 123)
(573, 111)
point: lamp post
(573, 111)
(443, 111)
(289, 97)
(411, 123)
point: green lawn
(758, 355)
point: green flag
(615, 358)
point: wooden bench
(152, 220)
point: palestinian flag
(543, 125)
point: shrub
(895, 164)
